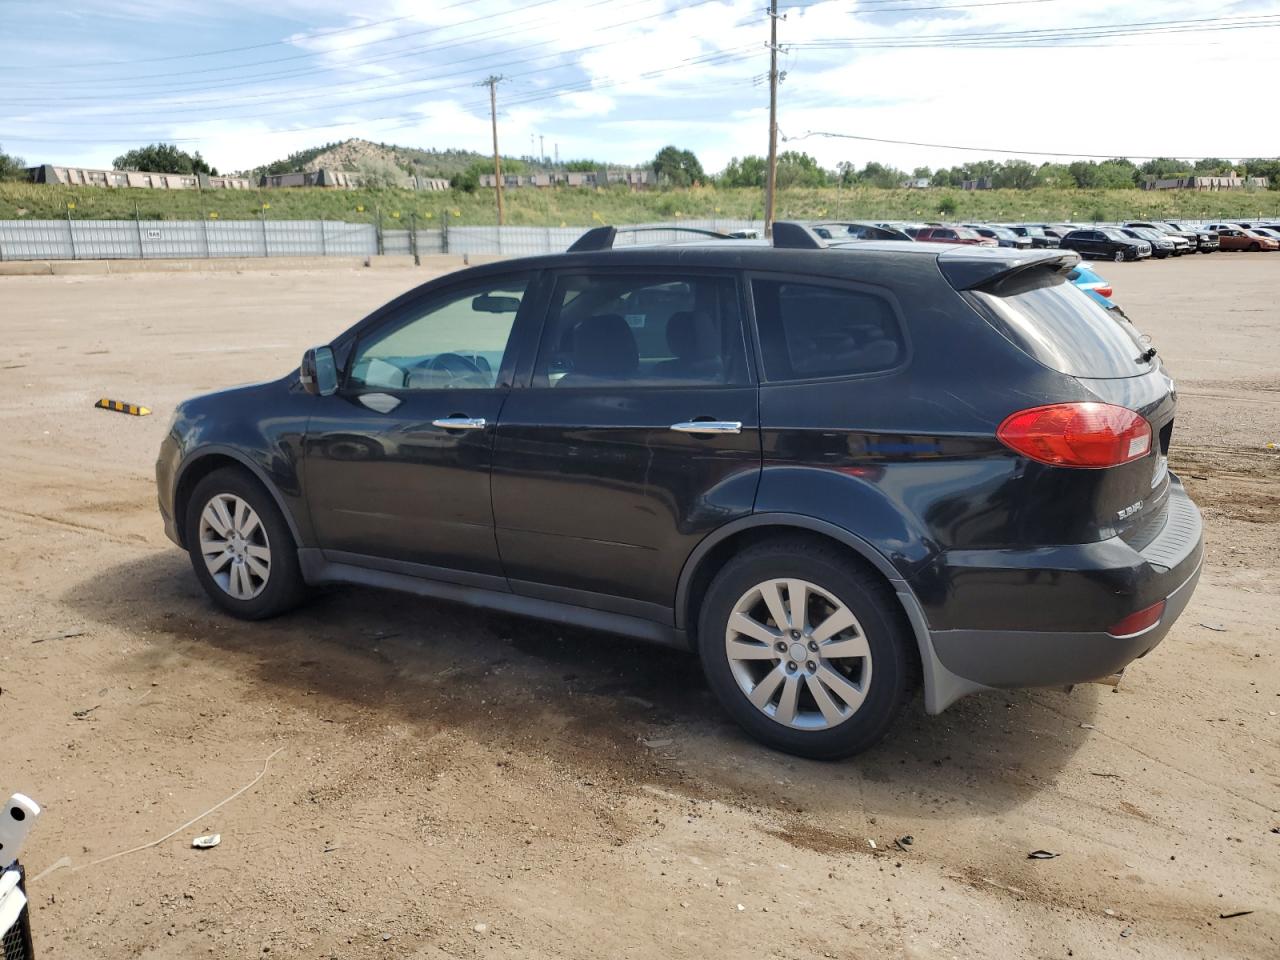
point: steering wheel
(456, 367)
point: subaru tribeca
(834, 470)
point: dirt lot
(444, 782)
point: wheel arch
(941, 687)
(200, 463)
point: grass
(584, 207)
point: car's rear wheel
(806, 649)
(241, 548)
(1119, 257)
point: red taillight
(1137, 622)
(1077, 434)
(1103, 292)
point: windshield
(964, 233)
(1002, 232)
(1034, 231)
(1113, 233)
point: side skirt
(318, 570)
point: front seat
(604, 350)
(692, 340)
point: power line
(718, 58)
(318, 90)
(214, 53)
(319, 53)
(1026, 153)
(1044, 35)
(574, 86)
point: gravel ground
(431, 781)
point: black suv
(1108, 242)
(833, 470)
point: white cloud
(683, 73)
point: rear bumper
(1041, 617)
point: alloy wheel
(235, 547)
(799, 654)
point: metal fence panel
(236, 238)
(36, 240)
(294, 238)
(155, 239)
(349, 239)
(396, 242)
(167, 239)
(105, 239)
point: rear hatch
(1035, 307)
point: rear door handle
(708, 426)
(459, 423)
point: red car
(955, 235)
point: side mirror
(318, 373)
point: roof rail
(603, 238)
(789, 235)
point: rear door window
(1062, 327)
(808, 331)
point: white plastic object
(16, 821)
(12, 900)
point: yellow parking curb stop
(130, 408)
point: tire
(1119, 256)
(1255, 247)
(238, 586)
(836, 586)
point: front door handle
(459, 423)
(708, 426)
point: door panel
(395, 486)
(594, 491)
(397, 462)
(596, 497)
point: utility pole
(542, 149)
(492, 82)
(771, 183)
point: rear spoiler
(967, 270)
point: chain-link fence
(73, 239)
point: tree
(1117, 174)
(1014, 175)
(378, 173)
(921, 173)
(11, 167)
(679, 168)
(582, 166)
(1055, 175)
(797, 169)
(750, 171)
(1264, 167)
(163, 158)
(879, 175)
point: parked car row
(1131, 240)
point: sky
(246, 83)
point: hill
(355, 153)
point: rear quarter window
(1060, 326)
(808, 331)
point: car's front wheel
(806, 649)
(241, 548)
(1119, 257)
